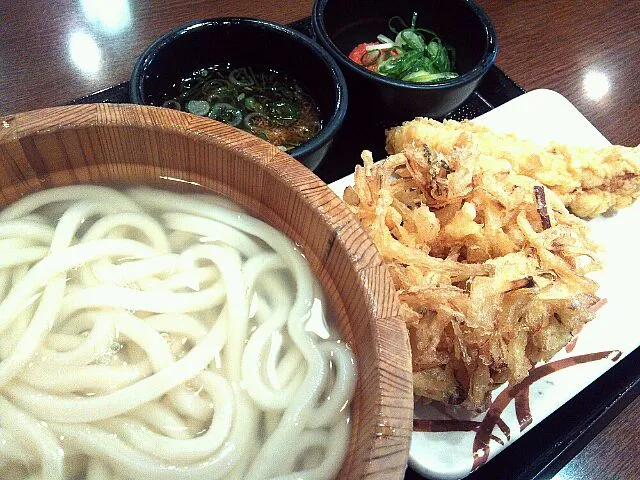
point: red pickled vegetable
(362, 57)
(357, 53)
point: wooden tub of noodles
(181, 300)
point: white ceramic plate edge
(544, 115)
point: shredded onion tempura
(490, 268)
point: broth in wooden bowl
(132, 265)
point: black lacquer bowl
(245, 42)
(339, 26)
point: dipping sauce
(264, 102)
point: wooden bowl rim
(18, 126)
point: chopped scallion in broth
(264, 102)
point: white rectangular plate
(542, 116)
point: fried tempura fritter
(489, 267)
(589, 181)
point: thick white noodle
(162, 419)
(192, 279)
(193, 449)
(86, 379)
(33, 433)
(97, 470)
(39, 233)
(12, 449)
(51, 300)
(101, 336)
(16, 331)
(344, 384)
(5, 282)
(212, 231)
(137, 300)
(29, 204)
(261, 392)
(19, 256)
(152, 335)
(60, 262)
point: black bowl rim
(328, 130)
(491, 50)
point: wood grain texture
(40, 66)
(562, 44)
(133, 144)
(542, 44)
(607, 455)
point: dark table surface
(589, 51)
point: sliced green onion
(188, 83)
(369, 58)
(198, 107)
(418, 54)
(425, 77)
(172, 104)
(412, 39)
(400, 65)
(399, 20)
(217, 85)
(379, 46)
(241, 77)
(283, 113)
(251, 118)
(434, 47)
(227, 113)
(266, 103)
(452, 55)
(427, 66)
(427, 31)
(189, 88)
(253, 105)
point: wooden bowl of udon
(128, 145)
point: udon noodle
(146, 334)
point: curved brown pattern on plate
(519, 393)
(133, 144)
(482, 438)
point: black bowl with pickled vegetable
(407, 58)
(255, 75)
